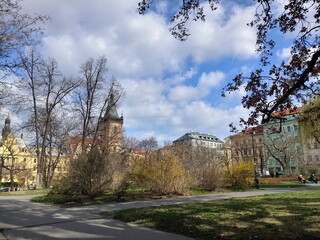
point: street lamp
(256, 181)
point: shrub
(162, 174)
(213, 178)
(61, 186)
(241, 174)
(91, 174)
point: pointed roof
(111, 112)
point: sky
(171, 87)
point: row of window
(209, 138)
(313, 158)
(290, 128)
(313, 145)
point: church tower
(110, 129)
(6, 130)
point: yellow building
(19, 162)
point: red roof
(166, 147)
(287, 112)
(75, 141)
(252, 130)
(137, 151)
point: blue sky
(171, 87)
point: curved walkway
(22, 219)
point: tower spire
(6, 130)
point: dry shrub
(213, 178)
(162, 174)
(91, 174)
(241, 174)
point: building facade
(19, 161)
(284, 149)
(196, 139)
(247, 145)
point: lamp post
(256, 181)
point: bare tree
(197, 160)
(130, 143)
(46, 90)
(284, 150)
(149, 144)
(18, 31)
(93, 98)
(285, 83)
(93, 169)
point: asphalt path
(22, 219)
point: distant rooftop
(199, 136)
(287, 112)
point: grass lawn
(25, 192)
(133, 193)
(293, 215)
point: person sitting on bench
(313, 178)
(302, 179)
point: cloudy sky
(172, 87)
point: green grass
(293, 215)
(133, 193)
(195, 191)
(25, 192)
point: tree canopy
(270, 87)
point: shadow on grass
(293, 215)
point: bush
(91, 174)
(213, 178)
(61, 186)
(162, 174)
(241, 174)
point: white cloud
(165, 95)
(183, 94)
(284, 53)
(220, 37)
(148, 110)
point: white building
(200, 139)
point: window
(24, 160)
(309, 158)
(289, 128)
(115, 130)
(34, 168)
(315, 145)
(309, 146)
(316, 157)
(295, 127)
(34, 160)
